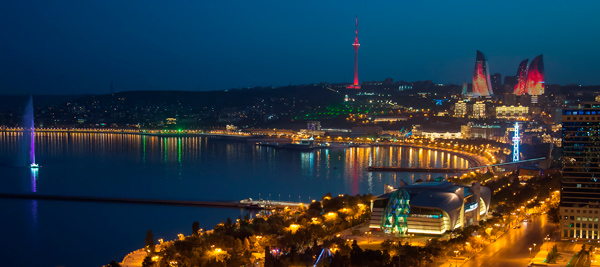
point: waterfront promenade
(244, 204)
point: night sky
(76, 47)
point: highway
(512, 249)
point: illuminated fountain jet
(29, 134)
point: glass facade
(580, 189)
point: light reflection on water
(101, 164)
(189, 168)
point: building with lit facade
(489, 132)
(479, 110)
(512, 112)
(460, 109)
(580, 185)
(482, 85)
(429, 208)
(417, 131)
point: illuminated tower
(355, 85)
(516, 139)
(522, 76)
(535, 76)
(482, 86)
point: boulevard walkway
(134, 258)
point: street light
(534, 246)
(456, 258)
(529, 251)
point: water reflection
(211, 169)
(34, 177)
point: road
(512, 249)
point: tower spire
(356, 30)
(355, 84)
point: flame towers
(535, 76)
(482, 85)
(355, 85)
(531, 78)
(520, 88)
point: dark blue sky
(67, 47)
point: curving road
(512, 249)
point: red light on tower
(355, 85)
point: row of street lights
(534, 244)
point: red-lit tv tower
(355, 85)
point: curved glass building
(429, 208)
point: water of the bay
(69, 233)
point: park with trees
(300, 236)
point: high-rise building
(522, 76)
(535, 76)
(482, 85)
(510, 82)
(355, 85)
(580, 185)
(497, 83)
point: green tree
(553, 214)
(195, 229)
(239, 255)
(150, 240)
(246, 244)
(147, 262)
(356, 255)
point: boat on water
(359, 145)
(268, 144)
(334, 145)
(305, 144)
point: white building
(512, 112)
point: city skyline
(81, 48)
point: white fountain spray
(29, 132)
